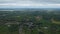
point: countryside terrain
(30, 21)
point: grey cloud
(47, 1)
(33, 1)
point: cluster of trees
(35, 22)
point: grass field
(56, 22)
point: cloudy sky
(30, 3)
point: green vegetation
(29, 22)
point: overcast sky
(29, 3)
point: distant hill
(29, 9)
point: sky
(29, 3)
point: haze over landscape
(29, 16)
